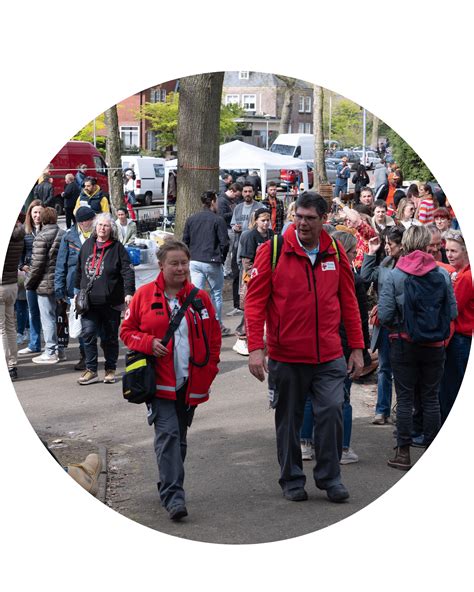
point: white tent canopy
(239, 155)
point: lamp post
(267, 117)
(364, 139)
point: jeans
(21, 309)
(340, 187)
(416, 366)
(384, 377)
(35, 321)
(213, 274)
(457, 355)
(47, 308)
(103, 321)
(70, 218)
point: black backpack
(426, 307)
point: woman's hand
(128, 299)
(374, 245)
(159, 350)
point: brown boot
(402, 459)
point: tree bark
(287, 108)
(114, 150)
(198, 142)
(375, 132)
(320, 176)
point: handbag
(62, 325)
(138, 380)
(83, 303)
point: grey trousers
(171, 420)
(324, 383)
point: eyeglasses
(308, 219)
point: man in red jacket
(302, 300)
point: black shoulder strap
(174, 324)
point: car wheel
(58, 208)
(148, 199)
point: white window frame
(300, 104)
(307, 127)
(230, 99)
(308, 102)
(243, 75)
(132, 131)
(301, 127)
(247, 100)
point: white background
(66, 62)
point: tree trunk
(114, 150)
(287, 108)
(375, 133)
(320, 176)
(198, 142)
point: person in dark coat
(8, 294)
(70, 194)
(44, 192)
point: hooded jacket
(391, 299)
(64, 276)
(43, 260)
(96, 200)
(302, 304)
(115, 276)
(148, 317)
(12, 256)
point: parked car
(149, 177)
(68, 159)
(371, 158)
(353, 157)
(289, 177)
(295, 145)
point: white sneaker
(241, 348)
(26, 350)
(46, 358)
(235, 312)
(348, 456)
(306, 450)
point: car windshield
(282, 149)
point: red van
(68, 159)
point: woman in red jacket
(457, 352)
(184, 369)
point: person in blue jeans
(343, 172)
(32, 228)
(371, 272)
(347, 241)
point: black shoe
(337, 493)
(81, 365)
(178, 512)
(13, 373)
(296, 495)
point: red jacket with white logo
(149, 316)
(302, 304)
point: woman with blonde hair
(32, 228)
(290, 216)
(405, 215)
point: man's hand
(159, 350)
(258, 364)
(128, 299)
(355, 364)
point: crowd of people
(324, 289)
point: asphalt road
(231, 470)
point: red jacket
(464, 293)
(148, 317)
(301, 304)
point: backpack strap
(336, 248)
(174, 324)
(275, 250)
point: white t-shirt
(181, 344)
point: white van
(149, 177)
(296, 145)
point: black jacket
(44, 192)
(71, 193)
(206, 235)
(225, 207)
(115, 277)
(12, 257)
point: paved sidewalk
(231, 482)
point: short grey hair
(416, 238)
(105, 216)
(455, 236)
